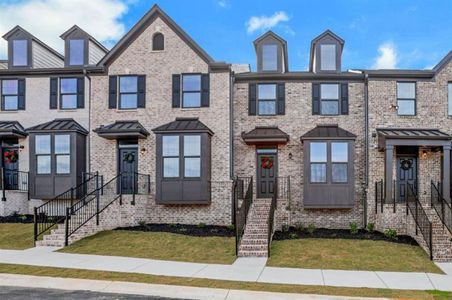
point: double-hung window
(406, 98)
(170, 154)
(269, 57)
(10, 94)
(191, 90)
(43, 150)
(68, 93)
(339, 162)
(449, 95)
(63, 153)
(328, 57)
(192, 156)
(318, 160)
(329, 99)
(128, 92)
(266, 95)
(20, 53)
(76, 52)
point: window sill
(127, 110)
(190, 108)
(156, 51)
(9, 111)
(63, 110)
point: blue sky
(377, 34)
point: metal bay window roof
(61, 125)
(329, 131)
(183, 124)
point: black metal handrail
(92, 205)
(53, 212)
(241, 209)
(414, 207)
(14, 180)
(441, 206)
(271, 218)
(379, 195)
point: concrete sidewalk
(243, 269)
(155, 290)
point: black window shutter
(112, 92)
(344, 99)
(21, 94)
(141, 91)
(176, 90)
(316, 99)
(53, 93)
(281, 99)
(252, 99)
(81, 92)
(205, 90)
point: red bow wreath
(10, 156)
(266, 162)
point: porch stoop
(442, 238)
(254, 242)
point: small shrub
(311, 228)
(370, 227)
(23, 218)
(142, 223)
(299, 226)
(353, 228)
(293, 236)
(172, 225)
(183, 230)
(231, 227)
(285, 228)
(391, 234)
(201, 225)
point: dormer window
(269, 57)
(20, 53)
(328, 57)
(76, 52)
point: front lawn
(16, 236)
(157, 245)
(345, 254)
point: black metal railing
(91, 206)
(53, 212)
(271, 218)
(379, 195)
(422, 223)
(441, 206)
(136, 183)
(13, 180)
(242, 192)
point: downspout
(231, 141)
(366, 142)
(85, 73)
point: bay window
(43, 154)
(63, 153)
(176, 160)
(318, 162)
(170, 146)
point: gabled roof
(18, 28)
(317, 39)
(278, 38)
(123, 129)
(144, 22)
(183, 124)
(60, 125)
(265, 135)
(443, 62)
(12, 129)
(328, 131)
(77, 28)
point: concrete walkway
(150, 290)
(243, 269)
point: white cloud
(264, 22)
(222, 3)
(48, 19)
(387, 57)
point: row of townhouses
(161, 132)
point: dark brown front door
(266, 174)
(406, 174)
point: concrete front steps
(254, 242)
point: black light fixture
(290, 155)
(142, 151)
(424, 153)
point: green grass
(343, 254)
(157, 245)
(222, 284)
(16, 236)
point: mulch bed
(192, 230)
(16, 218)
(323, 233)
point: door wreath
(406, 164)
(129, 158)
(10, 156)
(266, 162)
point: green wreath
(129, 158)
